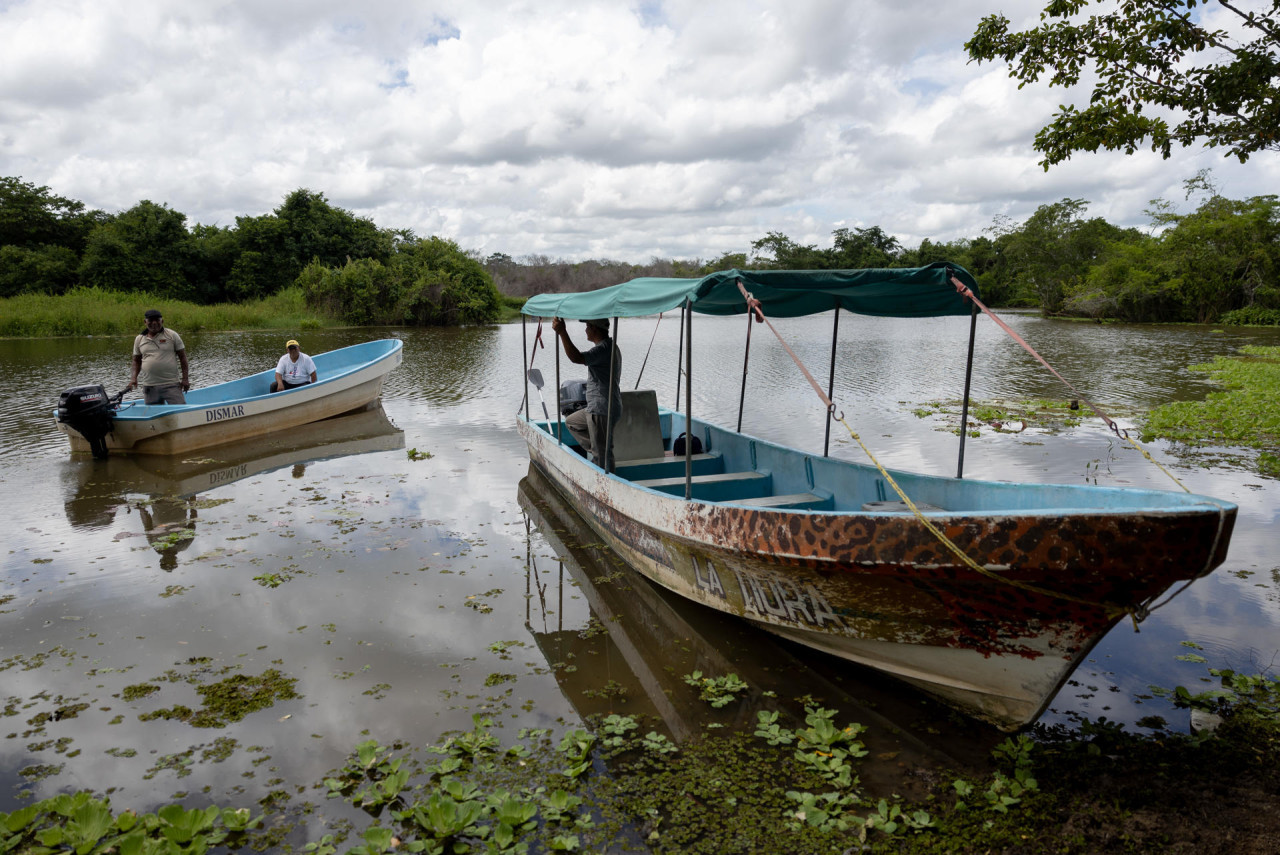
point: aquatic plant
(615, 730)
(772, 732)
(83, 823)
(718, 691)
(1243, 699)
(576, 748)
(1246, 414)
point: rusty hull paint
(882, 591)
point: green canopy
(912, 292)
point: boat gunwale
(1173, 502)
(139, 412)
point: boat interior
(738, 469)
(330, 366)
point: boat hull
(243, 408)
(880, 590)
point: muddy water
(404, 595)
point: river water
(404, 593)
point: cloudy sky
(571, 128)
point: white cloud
(574, 129)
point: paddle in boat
(984, 594)
(349, 378)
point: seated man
(591, 425)
(295, 368)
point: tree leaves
(1224, 91)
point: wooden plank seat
(668, 467)
(720, 487)
(792, 502)
(898, 507)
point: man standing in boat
(590, 426)
(158, 355)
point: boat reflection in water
(164, 489)
(632, 657)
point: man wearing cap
(295, 368)
(159, 363)
(590, 425)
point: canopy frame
(934, 290)
(909, 292)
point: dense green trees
(850, 249)
(425, 281)
(41, 238)
(1056, 246)
(142, 249)
(1221, 260)
(49, 245)
(1217, 263)
(1205, 73)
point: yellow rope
(1147, 455)
(1111, 609)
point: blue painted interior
(330, 367)
(826, 484)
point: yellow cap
(292, 343)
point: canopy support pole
(652, 338)
(614, 382)
(524, 345)
(559, 405)
(968, 378)
(831, 381)
(688, 400)
(746, 356)
(679, 356)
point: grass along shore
(92, 311)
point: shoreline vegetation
(619, 785)
(1246, 414)
(1219, 263)
(98, 312)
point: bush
(428, 281)
(42, 270)
(1251, 316)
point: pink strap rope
(753, 306)
(967, 292)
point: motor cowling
(573, 396)
(90, 412)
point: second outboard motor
(89, 411)
(573, 396)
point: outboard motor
(573, 396)
(89, 411)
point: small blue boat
(349, 378)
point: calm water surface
(405, 595)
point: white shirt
(295, 373)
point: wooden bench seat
(898, 507)
(720, 487)
(792, 502)
(668, 467)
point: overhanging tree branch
(1148, 52)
